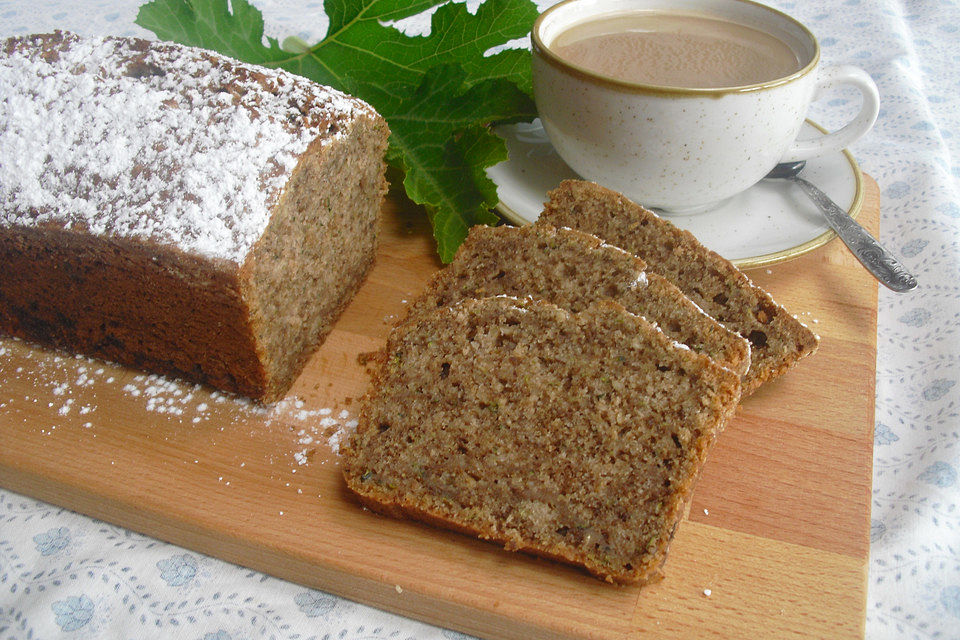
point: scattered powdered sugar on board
(59, 383)
(318, 424)
(160, 142)
(313, 425)
(68, 387)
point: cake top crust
(123, 137)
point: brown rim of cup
(555, 60)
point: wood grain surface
(778, 533)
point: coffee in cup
(676, 49)
(680, 104)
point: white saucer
(771, 222)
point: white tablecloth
(65, 575)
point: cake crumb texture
(777, 339)
(576, 436)
(174, 210)
(573, 270)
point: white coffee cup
(681, 149)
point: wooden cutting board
(776, 544)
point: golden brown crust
(414, 512)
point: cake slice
(777, 339)
(573, 269)
(575, 436)
(171, 209)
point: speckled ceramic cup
(685, 150)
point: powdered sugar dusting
(162, 142)
(315, 426)
(70, 390)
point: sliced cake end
(576, 436)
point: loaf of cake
(174, 210)
(777, 339)
(573, 270)
(575, 436)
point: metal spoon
(878, 261)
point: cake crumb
(541, 332)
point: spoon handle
(878, 261)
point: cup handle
(846, 135)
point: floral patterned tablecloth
(65, 575)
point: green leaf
(445, 174)
(212, 25)
(437, 92)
